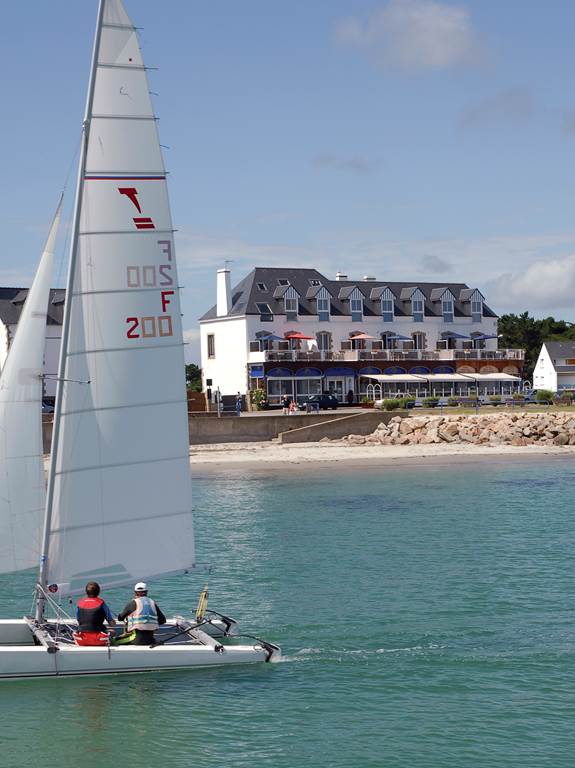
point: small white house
(555, 367)
(11, 303)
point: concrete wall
(231, 429)
(334, 428)
(208, 428)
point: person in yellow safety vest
(143, 614)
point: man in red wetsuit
(91, 613)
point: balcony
(385, 355)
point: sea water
(425, 613)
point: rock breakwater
(557, 428)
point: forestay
(22, 486)
(121, 507)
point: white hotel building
(295, 331)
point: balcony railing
(386, 355)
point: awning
(267, 336)
(445, 377)
(298, 335)
(362, 336)
(339, 371)
(483, 336)
(397, 378)
(493, 377)
(453, 335)
(398, 337)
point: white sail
(22, 485)
(121, 506)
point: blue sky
(409, 139)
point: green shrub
(494, 399)
(430, 402)
(453, 402)
(544, 395)
(406, 402)
(390, 404)
(257, 398)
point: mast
(40, 599)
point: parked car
(47, 407)
(321, 402)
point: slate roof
(560, 348)
(246, 293)
(12, 300)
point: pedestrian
(91, 613)
(292, 408)
(350, 397)
(286, 402)
(238, 405)
(143, 615)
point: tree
(194, 377)
(525, 332)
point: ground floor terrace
(351, 383)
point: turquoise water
(426, 616)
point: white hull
(21, 658)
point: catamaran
(118, 498)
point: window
(266, 314)
(283, 282)
(387, 310)
(291, 308)
(356, 306)
(262, 287)
(324, 341)
(315, 283)
(447, 309)
(323, 310)
(417, 310)
(211, 346)
(476, 310)
(418, 340)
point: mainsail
(22, 485)
(119, 495)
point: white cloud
(415, 36)
(544, 285)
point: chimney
(224, 293)
(369, 278)
(340, 276)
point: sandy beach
(268, 456)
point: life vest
(91, 614)
(91, 638)
(145, 616)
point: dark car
(47, 407)
(320, 402)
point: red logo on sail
(141, 222)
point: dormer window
(387, 306)
(291, 308)
(283, 281)
(315, 283)
(447, 308)
(356, 307)
(417, 308)
(262, 287)
(266, 314)
(476, 309)
(323, 310)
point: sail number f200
(149, 327)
